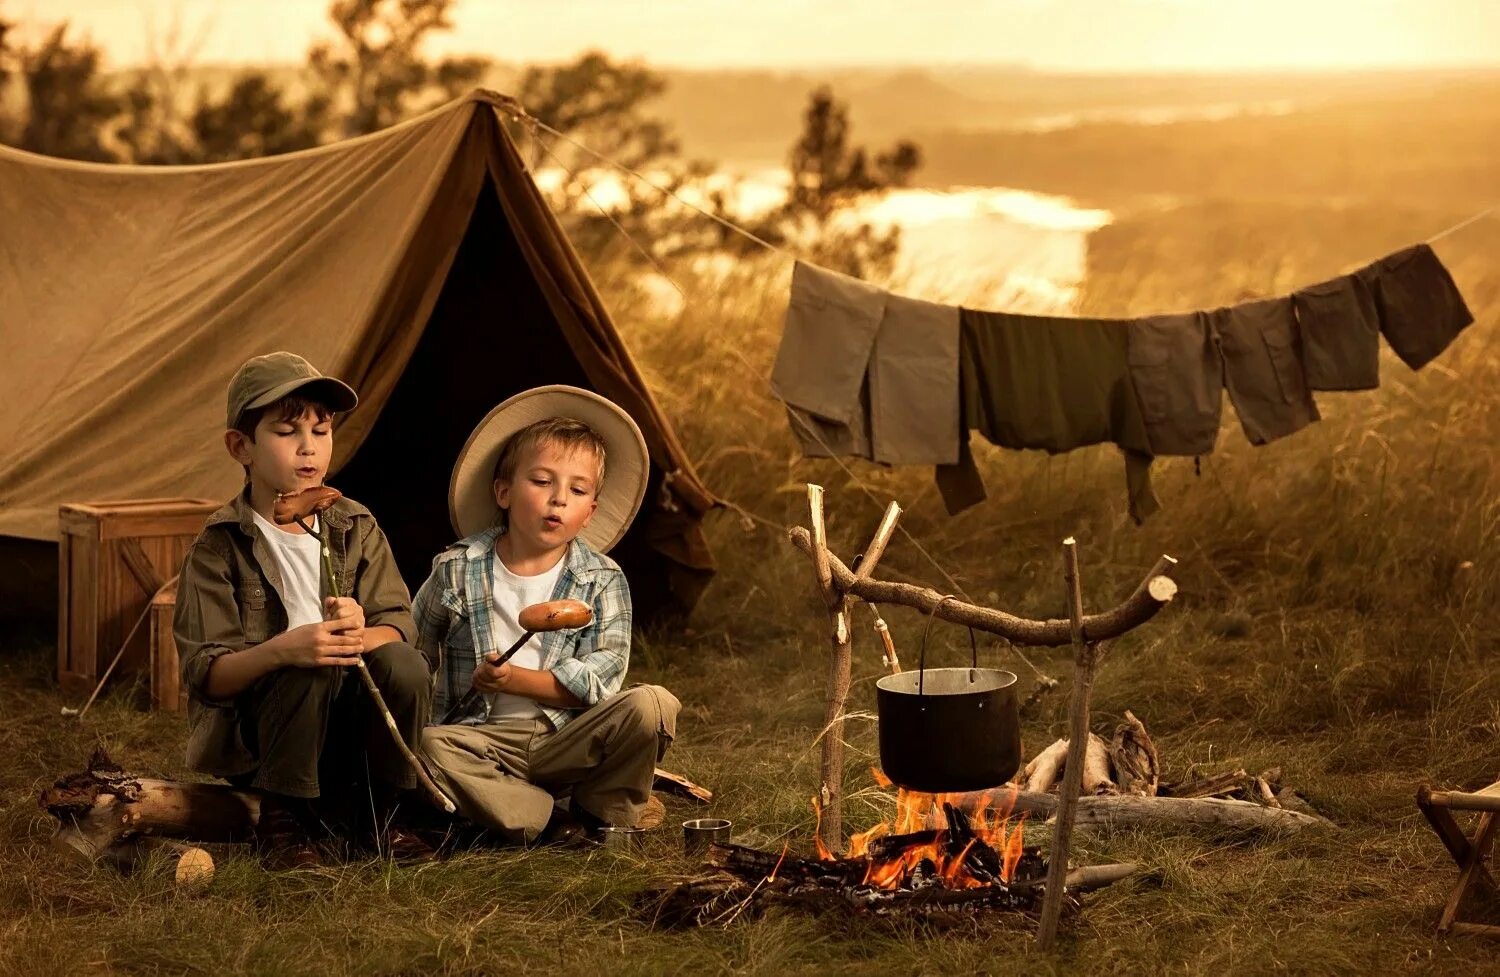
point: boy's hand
(346, 611)
(320, 644)
(489, 677)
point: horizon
(1089, 37)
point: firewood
(679, 786)
(1136, 763)
(1266, 793)
(1129, 809)
(1224, 783)
(105, 805)
(1096, 778)
(1042, 772)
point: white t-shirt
(299, 557)
(510, 593)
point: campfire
(943, 857)
(932, 841)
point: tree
(374, 73)
(256, 119)
(605, 105)
(826, 174)
(67, 106)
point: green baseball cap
(266, 379)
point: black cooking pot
(946, 730)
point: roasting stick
(552, 615)
(298, 508)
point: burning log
(1137, 765)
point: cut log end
(1162, 589)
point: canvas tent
(419, 263)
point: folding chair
(1468, 851)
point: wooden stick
(831, 760)
(831, 793)
(888, 658)
(1153, 593)
(418, 767)
(1224, 783)
(1078, 738)
(678, 785)
(1136, 762)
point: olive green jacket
(229, 599)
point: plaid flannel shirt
(453, 611)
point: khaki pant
(506, 774)
(312, 729)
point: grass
(1338, 618)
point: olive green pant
(507, 774)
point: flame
(784, 849)
(989, 822)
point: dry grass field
(1339, 617)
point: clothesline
(536, 124)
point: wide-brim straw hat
(471, 496)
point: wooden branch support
(1084, 654)
(831, 765)
(1153, 593)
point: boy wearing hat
(546, 484)
(262, 642)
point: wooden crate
(112, 558)
(167, 692)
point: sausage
(301, 505)
(556, 615)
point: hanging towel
(867, 373)
(1053, 384)
(1340, 335)
(1178, 376)
(1420, 308)
(1263, 368)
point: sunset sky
(1102, 35)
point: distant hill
(976, 124)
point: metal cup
(622, 839)
(699, 833)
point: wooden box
(167, 693)
(112, 559)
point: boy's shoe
(652, 815)
(281, 839)
(403, 845)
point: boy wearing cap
(262, 643)
(546, 484)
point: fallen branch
(1124, 810)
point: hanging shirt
(510, 594)
(1420, 308)
(1050, 383)
(1340, 334)
(299, 557)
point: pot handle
(922, 655)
